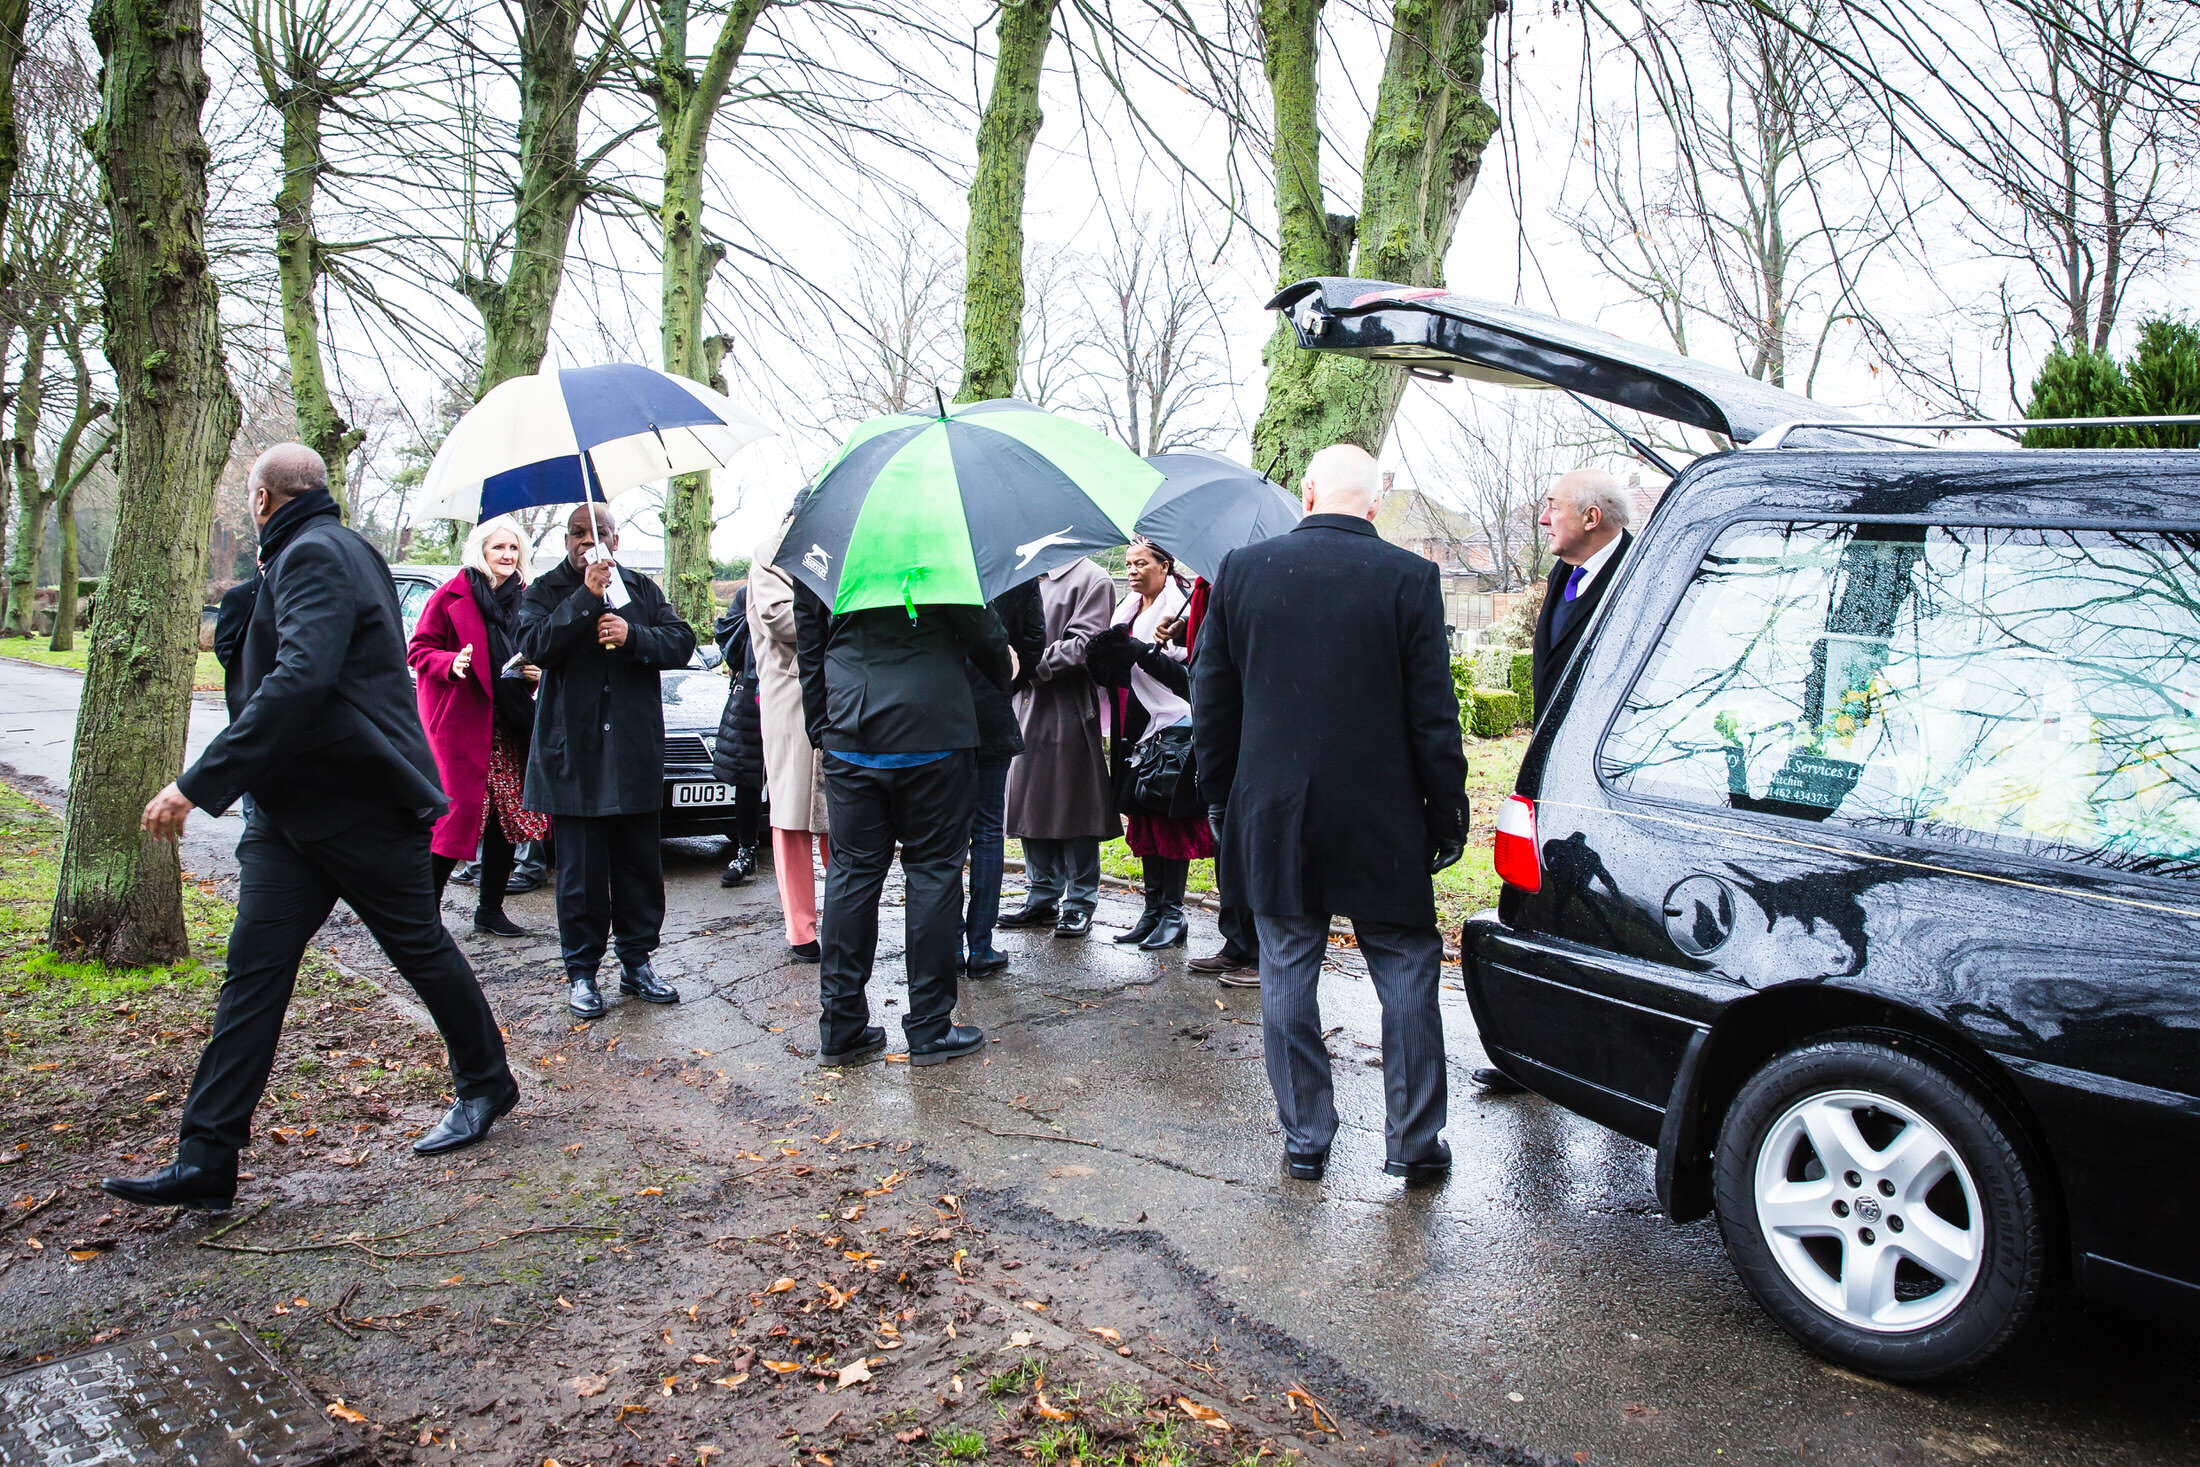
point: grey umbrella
(1209, 505)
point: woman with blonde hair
(477, 703)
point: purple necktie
(1573, 582)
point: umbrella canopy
(955, 508)
(572, 433)
(1208, 506)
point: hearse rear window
(2035, 691)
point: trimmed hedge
(1523, 686)
(1494, 714)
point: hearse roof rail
(1777, 438)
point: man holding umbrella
(601, 634)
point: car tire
(1881, 1209)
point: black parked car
(696, 804)
(1855, 865)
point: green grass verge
(1462, 890)
(206, 677)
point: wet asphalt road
(1536, 1306)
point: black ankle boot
(1157, 901)
(1169, 930)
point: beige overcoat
(793, 771)
(1058, 787)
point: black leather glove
(1447, 853)
(1214, 822)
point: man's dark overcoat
(325, 728)
(1324, 718)
(599, 715)
(1559, 625)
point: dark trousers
(611, 889)
(927, 810)
(748, 814)
(497, 859)
(1240, 935)
(1063, 874)
(286, 888)
(988, 817)
(1406, 963)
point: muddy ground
(648, 1264)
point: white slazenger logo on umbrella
(1030, 548)
(817, 562)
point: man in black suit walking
(326, 740)
(1327, 735)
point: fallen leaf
(780, 1286)
(705, 1453)
(651, 1192)
(1020, 1338)
(1637, 1411)
(1297, 1396)
(913, 1434)
(850, 1374)
(1111, 1336)
(853, 1213)
(1582, 1457)
(585, 1386)
(1035, 1306)
(703, 1360)
(343, 1412)
(897, 1059)
(564, 1303)
(156, 1095)
(730, 1381)
(85, 1255)
(1050, 1413)
(834, 1296)
(48, 1065)
(1204, 1415)
(781, 1367)
(456, 1278)
(670, 1381)
(1515, 1397)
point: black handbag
(1157, 768)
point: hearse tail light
(1516, 859)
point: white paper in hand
(614, 594)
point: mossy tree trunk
(993, 288)
(69, 470)
(1424, 152)
(30, 490)
(687, 104)
(120, 893)
(14, 20)
(553, 180)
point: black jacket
(599, 715)
(1324, 718)
(882, 682)
(229, 627)
(1110, 657)
(738, 756)
(1558, 626)
(325, 729)
(1000, 732)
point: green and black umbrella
(954, 508)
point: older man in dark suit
(1327, 735)
(1585, 521)
(326, 740)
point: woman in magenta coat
(477, 703)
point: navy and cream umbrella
(1209, 505)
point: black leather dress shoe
(496, 924)
(467, 1123)
(1073, 924)
(987, 965)
(583, 997)
(1423, 1173)
(1307, 1166)
(644, 984)
(805, 952)
(862, 1052)
(960, 1039)
(1496, 1082)
(197, 1188)
(1039, 914)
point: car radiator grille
(685, 749)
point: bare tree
(1152, 338)
(902, 343)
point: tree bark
(993, 288)
(1424, 151)
(515, 312)
(120, 893)
(14, 19)
(30, 495)
(299, 268)
(67, 474)
(687, 104)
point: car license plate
(702, 792)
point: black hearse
(1855, 865)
